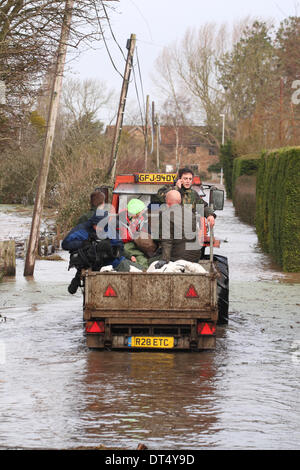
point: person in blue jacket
(86, 250)
(81, 233)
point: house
(186, 146)
(179, 146)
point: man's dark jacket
(179, 238)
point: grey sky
(158, 23)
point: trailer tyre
(221, 263)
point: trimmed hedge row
(227, 157)
(245, 165)
(278, 206)
(245, 198)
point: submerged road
(55, 393)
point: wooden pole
(157, 142)
(293, 123)
(7, 258)
(281, 112)
(121, 110)
(146, 132)
(45, 162)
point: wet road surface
(55, 393)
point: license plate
(156, 178)
(150, 342)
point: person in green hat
(131, 223)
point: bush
(77, 176)
(215, 167)
(245, 198)
(227, 156)
(19, 170)
(278, 206)
(245, 165)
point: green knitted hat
(135, 206)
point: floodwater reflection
(152, 395)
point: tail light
(95, 327)
(204, 328)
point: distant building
(179, 146)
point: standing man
(188, 195)
(179, 240)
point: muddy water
(54, 393)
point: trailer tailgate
(149, 292)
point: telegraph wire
(140, 75)
(111, 30)
(142, 112)
(138, 97)
(105, 43)
(145, 19)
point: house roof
(109, 131)
(188, 136)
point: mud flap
(221, 263)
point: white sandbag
(190, 267)
(173, 268)
(106, 269)
(180, 266)
(133, 269)
(153, 269)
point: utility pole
(146, 132)
(152, 127)
(281, 112)
(223, 141)
(45, 162)
(157, 142)
(118, 128)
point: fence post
(8, 257)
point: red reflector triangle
(191, 292)
(94, 328)
(110, 292)
(206, 330)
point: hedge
(227, 156)
(245, 198)
(245, 165)
(278, 206)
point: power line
(140, 75)
(138, 97)
(145, 19)
(104, 40)
(111, 31)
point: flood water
(55, 393)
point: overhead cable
(104, 40)
(111, 30)
(138, 97)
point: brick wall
(186, 158)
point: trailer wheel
(221, 263)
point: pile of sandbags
(180, 266)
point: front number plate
(150, 342)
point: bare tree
(190, 69)
(85, 98)
(29, 35)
